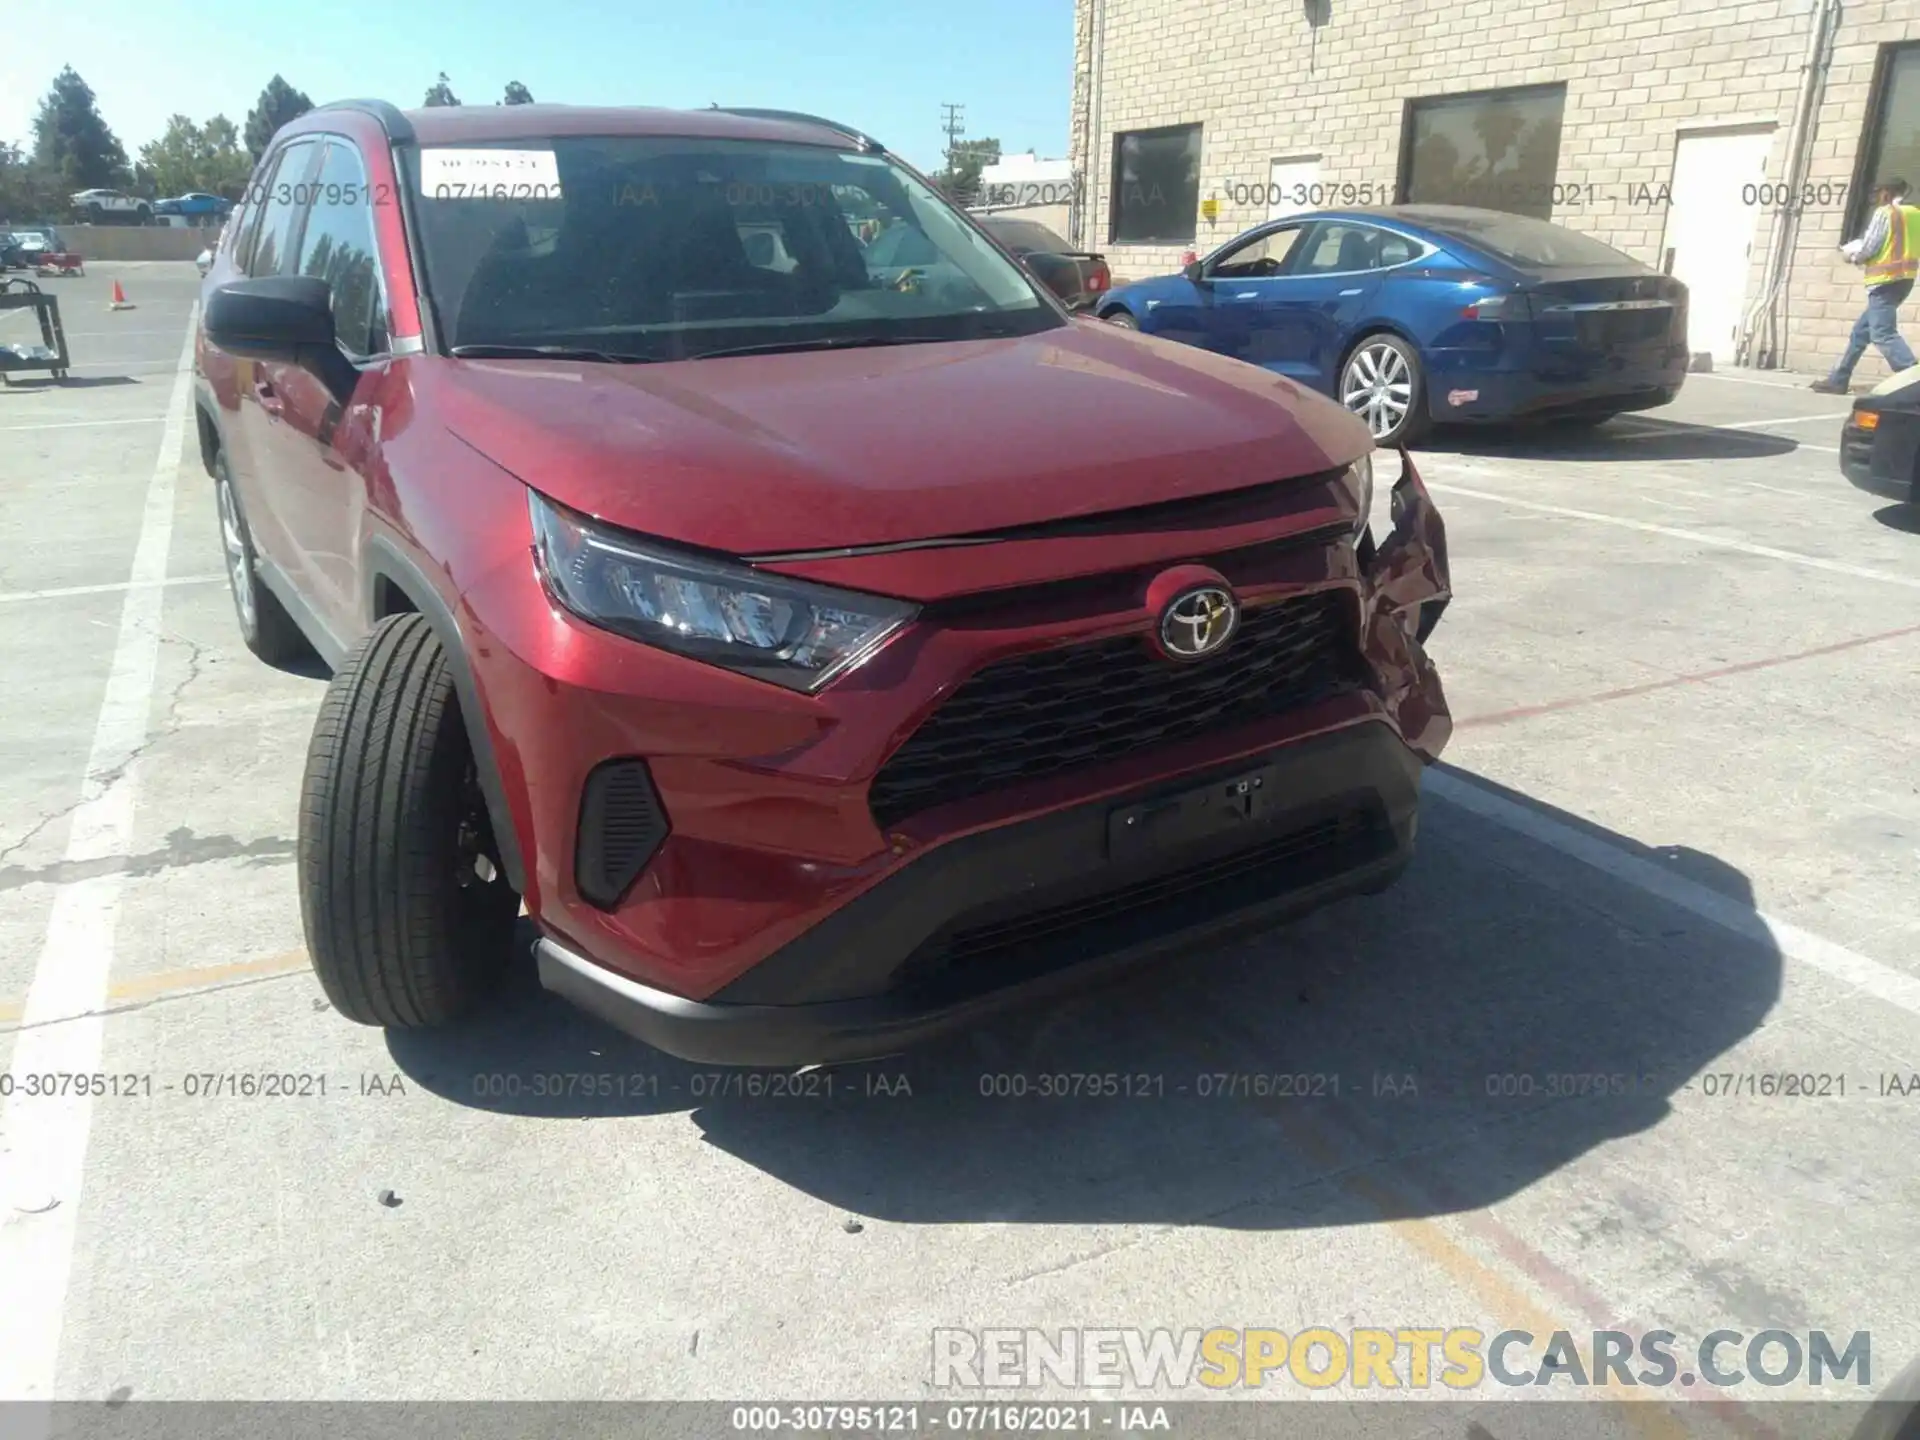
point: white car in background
(102, 207)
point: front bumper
(1885, 460)
(1011, 916)
(772, 844)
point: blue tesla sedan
(1412, 315)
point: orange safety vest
(1899, 255)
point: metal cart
(51, 353)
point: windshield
(661, 248)
(1535, 244)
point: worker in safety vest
(1890, 255)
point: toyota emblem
(1198, 621)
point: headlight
(791, 632)
(1361, 473)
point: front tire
(266, 627)
(1123, 318)
(1382, 382)
(402, 928)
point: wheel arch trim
(384, 561)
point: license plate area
(1190, 815)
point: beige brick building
(1671, 129)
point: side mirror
(276, 318)
(283, 319)
(1195, 273)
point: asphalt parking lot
(1674, 841)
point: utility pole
(954, 123)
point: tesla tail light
(1499, 307)
(790, 632)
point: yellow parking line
(183, 982)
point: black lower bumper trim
(1014, 916)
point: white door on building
(1292, 185)
(1712, 225)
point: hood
(815, 450)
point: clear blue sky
(884, 67)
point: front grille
(1143, 910)
(1051, 711)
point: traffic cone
(120, 301)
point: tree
(27, 194)
(279, 103)
(959, 178)
(72, 144)
(228, 163)
(517, 94)
(197, 157)
(442, 93)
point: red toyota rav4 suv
(825, 654)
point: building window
(1156, 186)
(1498, 149)
(1890, 148)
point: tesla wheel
(408, 920)
(95, 214)
(1382, 384)
(265, 625)
(1123, 318)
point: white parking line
(1869, 976)
(43, 1140)
(1789, 420)
(17, 597)
(1720, 542)
(89, 424)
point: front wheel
(409, 921)
(1382, 382)
(1123, 318)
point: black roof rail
(865, 141)
(399, 129)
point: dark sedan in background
(1079, 278)
(1412, 315)
(1880, 443)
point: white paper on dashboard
(453, 174)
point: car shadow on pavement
(1502, 1011)
(1902, 517)
(1637, 437)
(72, 382)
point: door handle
(268, 397)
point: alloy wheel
(1378, 386)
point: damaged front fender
(1407, 587)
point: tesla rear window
(1535, 244)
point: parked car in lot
(1880, 442)
(112, 207)
(19, 249)
(1415, 314)
(826, 663)
(195, 205)
(1080, 279)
